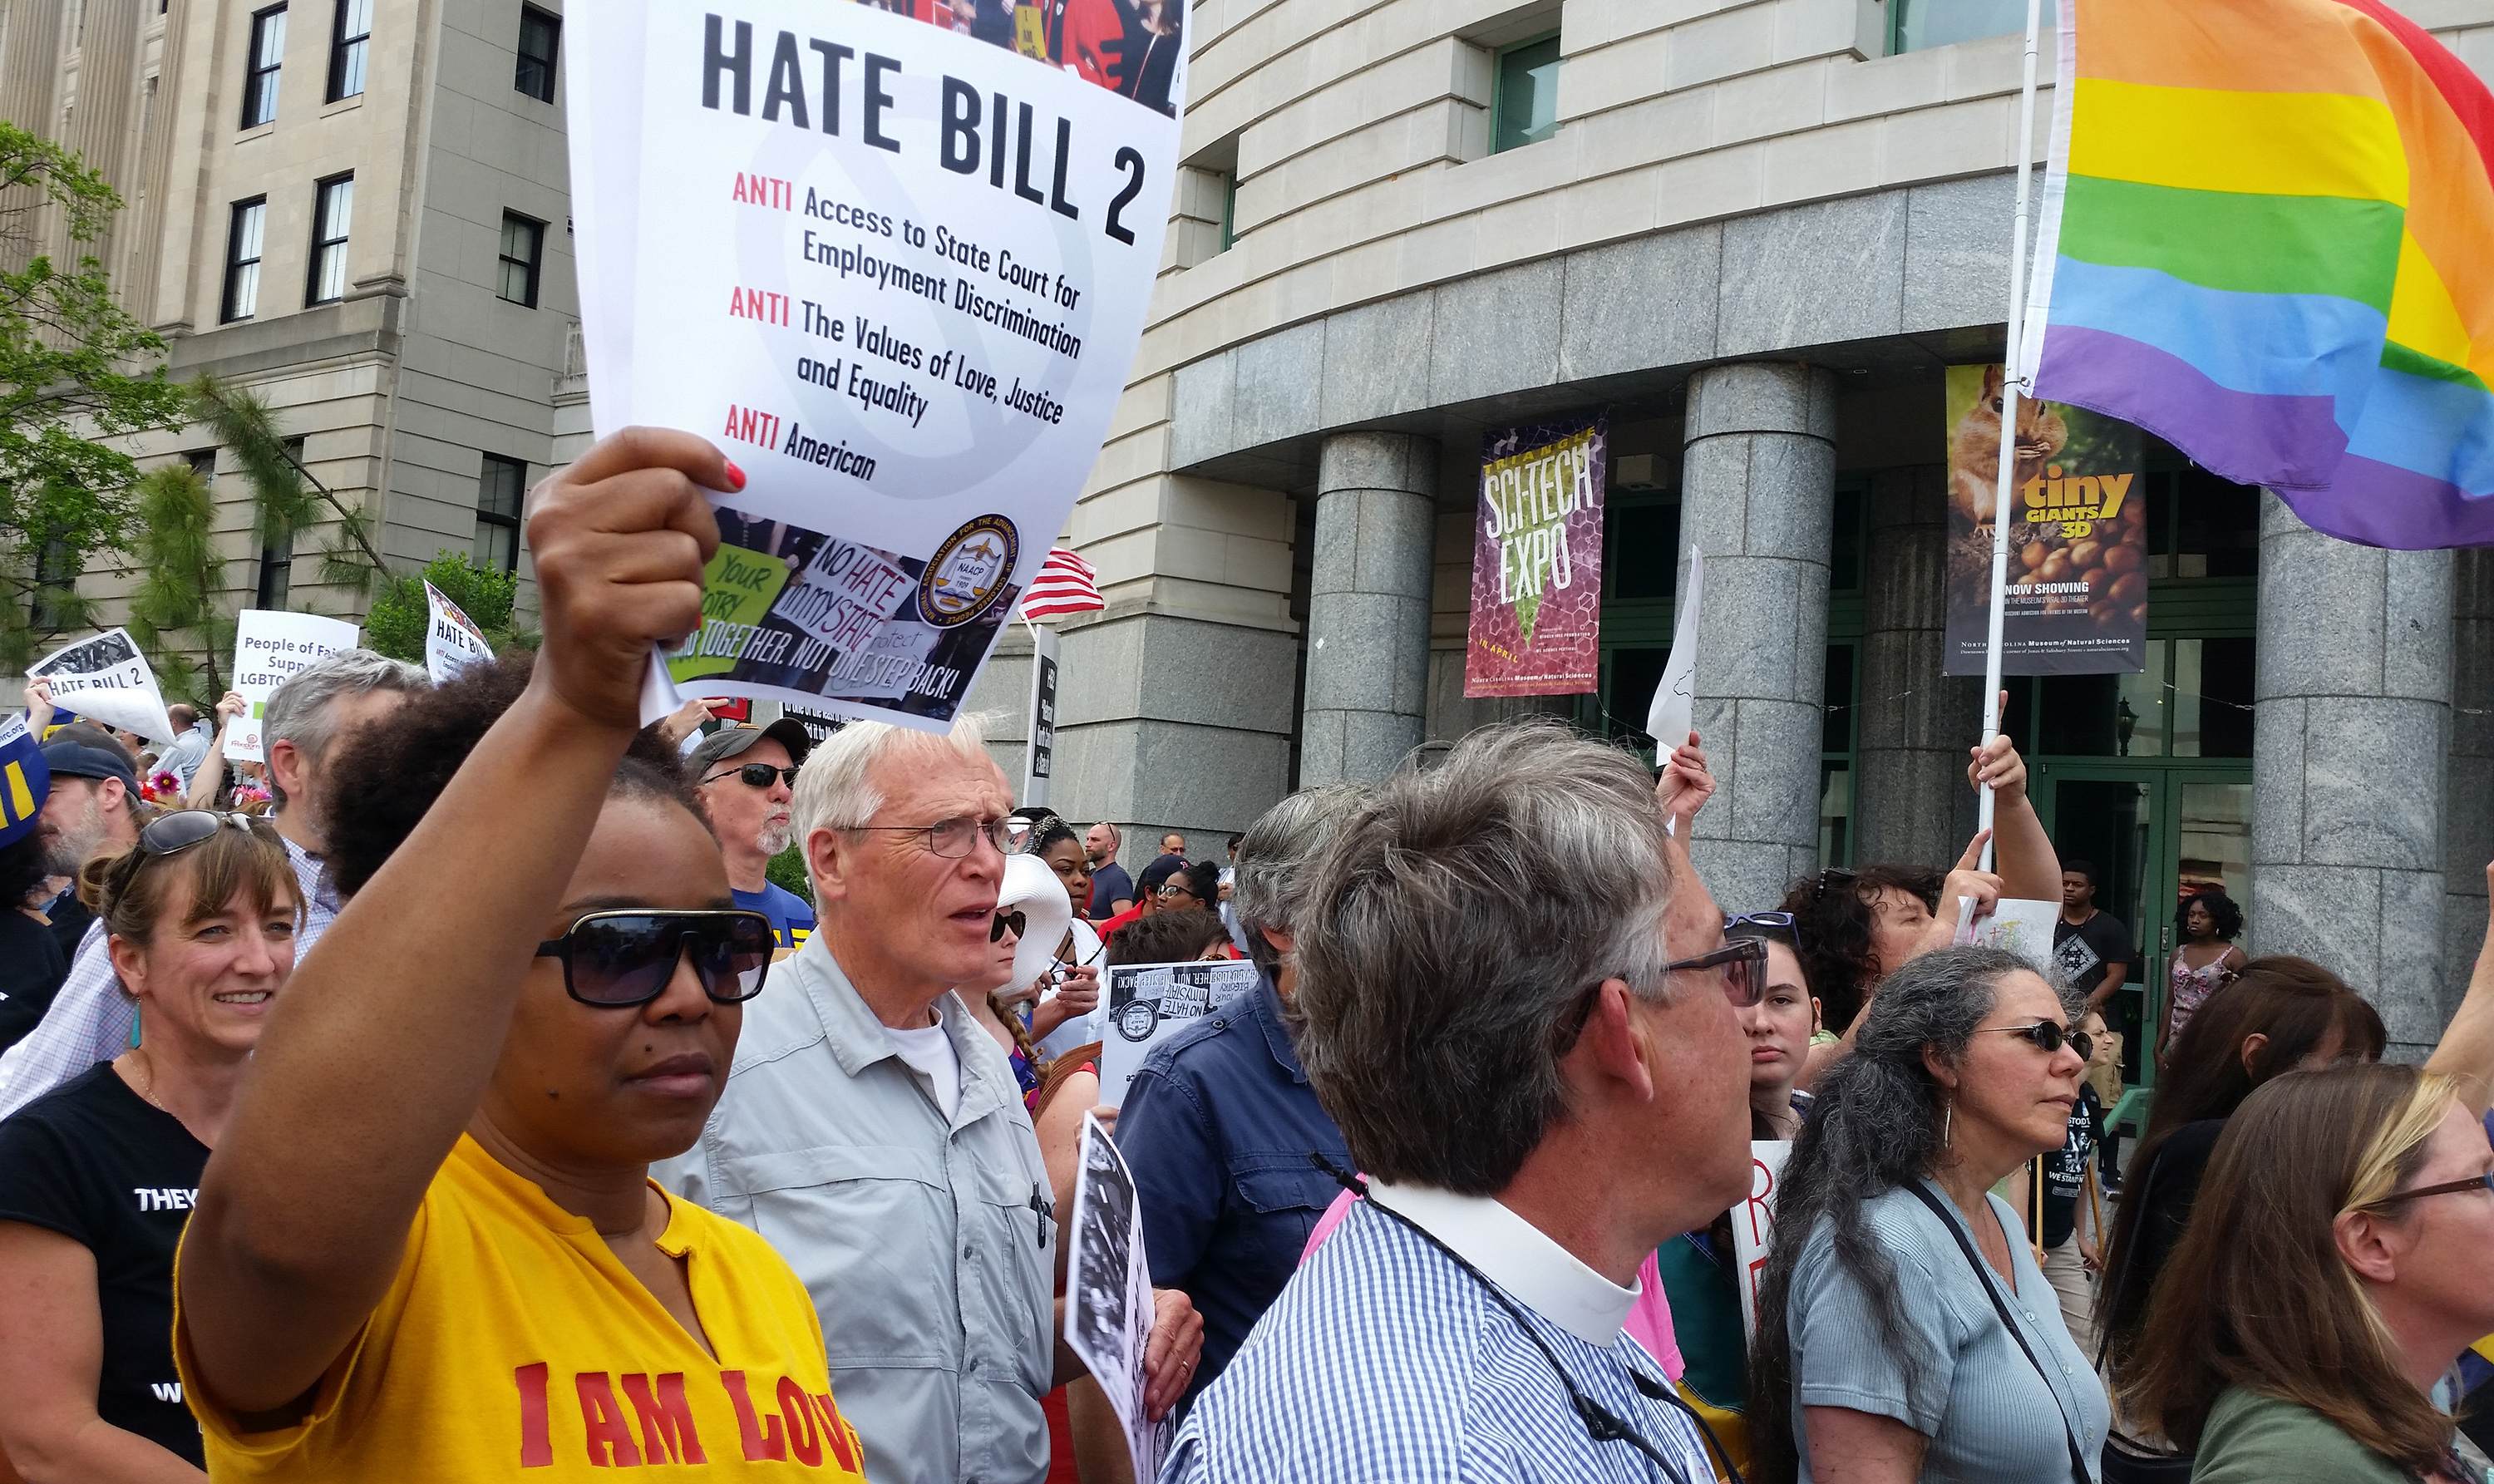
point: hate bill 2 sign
(1537, 561)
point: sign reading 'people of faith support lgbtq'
(106, 678)
(1537, 563)
(897, 271)
(2077, 535)
(269, 648)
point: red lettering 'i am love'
(631, 1419)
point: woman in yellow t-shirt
(427, 1247)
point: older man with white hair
(874, 1132)
(1516, 1001)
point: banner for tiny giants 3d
(2078, 538)
(894, 262)
(1537, 561)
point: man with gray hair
(1219, 1123)
(874, 1132)
(1517, 1003)
(91, 1019)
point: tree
(396, 625)
(176, 548)
(75, 370)
(286, 498)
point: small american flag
(1065, 584)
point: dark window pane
(2216, 526)
(1634, 674)
(1836, 732)
(1643, 550)
(1527, 95)
(2107, 715)
(259, 79)
(541, 41)
(2212, 698)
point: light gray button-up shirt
(928, 1244)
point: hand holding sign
(1675, 701)
(1685, 786)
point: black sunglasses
(1006, 921)
(2048, 1037)
(2474, 1182)
(169, 834)
(759, 775)
(619, 959)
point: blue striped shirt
(1382, 1361)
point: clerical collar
(1512, 1252)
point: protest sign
(1109, 1285)
(25, 779)
(897, 271)
(1537, 561)
(104, 678)
(1675, 700)
(2014, 924)
(1149, 1003)
(452, 642)
(269, 647)
(1754, 1223)
(2078, 541)
(1039, 766)
(819, 725)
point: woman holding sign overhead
(1904, 1332)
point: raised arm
(293, 1240)
(211, 775)
(39, 707)
(2467, 1048)
(2022, 853)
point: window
(55, 586)
(242, 259)
(1229, 210)
(203, 464)
(1525, 109)
(499, 494)
(541, 41)
(346, 48)
(259, 81)
(1921, 23)
(523, 243)
(333, 202)
(277, 552)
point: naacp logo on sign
(26, 780)
(969, 572)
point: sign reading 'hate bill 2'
(896, 270)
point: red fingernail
(735, 476)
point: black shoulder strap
(1983, 1279)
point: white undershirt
(929, 1053)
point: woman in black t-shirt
(96, 1179)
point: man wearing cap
(746, 777)
(94, 809)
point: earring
(1948, 1118)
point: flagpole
(2010, 380)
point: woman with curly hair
(2206, 923)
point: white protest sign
(106, 680)
(2015, 925)
(1108, 1286)
(452, 641)
(269, 647)
(1675, 701)
(1149, 1003)
(1754, 1223)
(898, 273)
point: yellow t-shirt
(513, 1345)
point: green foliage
(286, 498)
(395, 627)
(74, 369)
(787, 869)
(176, 550)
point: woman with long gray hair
(1904, 1332)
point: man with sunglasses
(746, 776)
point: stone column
(1916, 721)
(2471, 822)
(1368, 606)
(2352, 718)
(1759, 498)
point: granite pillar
(1758, 495)
(2350, 741)
(1368, 606)
(2470, 824)
(1915, 721)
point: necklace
(148, 1092)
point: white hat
(1031, 888)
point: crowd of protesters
(506, 1120)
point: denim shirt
(1217, 1128)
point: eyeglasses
(2483, 1182)
(1782, 919)
(2048, 1037)
(956, 837)
(1005, 922)
(619, 959)
(169, 834)
(758, 775)
(1745, 969)
(1174, 892)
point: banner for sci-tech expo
(894, 262)
(1536, 605)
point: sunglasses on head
(758, 775)
(2048, 1037)
(169, 834)
(619, 959)
(1005, 922)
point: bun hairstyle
(1046, 831)
(130, 891)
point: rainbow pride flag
(2268, 239)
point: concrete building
(1754, 232)
(357, 208)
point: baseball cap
(736, 741)
(1158, 871)
(83, 752)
